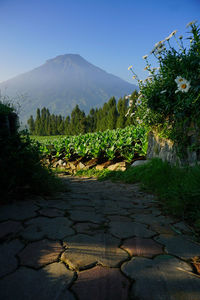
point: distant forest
(111, 116)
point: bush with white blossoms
(169, 99)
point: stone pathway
(102, 241)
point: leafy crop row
(109, 144)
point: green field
(127, 143)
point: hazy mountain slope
(63, 82)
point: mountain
(61, 83)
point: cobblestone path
(100, 241)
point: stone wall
(167, 150)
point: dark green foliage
(31, 124)
(20, 167)
(174, 111)
(78, 121)
(110, 116)
(122, 108)
(5, 109)
(46, 124)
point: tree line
(111, 116)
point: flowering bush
(169, 99)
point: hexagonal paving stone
(179, 246)
(155, 211)
(9, 227)
(8, 261)
(151, 219)
(60, 204)
(84, 251)
(162, 229)
(101, 283)
(117, 218)
(41, 202)
(51, 212)
(143, 211)
(38, 254)
(125, 204)
(142, 247)
(163, 278)
(129, 229)
(181, 226)
(18, 211)
(112, 211)
(82, 208)
(137, 204)
(55, 228)
(86, 216)
(50, 282)
(89, 228)
(146, 219)
(81, 202)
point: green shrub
(20, 168)
(169, 99)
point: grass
(178, 189)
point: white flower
(127, 97)
(160, 49)
(146, 68)
(145, 56)
(130, 103)
(139, 121)
(184, 86)
(164, 91)
(152, 51)
(167, 38)
(127, 112)
(138, 102)
(179, 79)
(173, 33)
(132, 114)
(130, 67)
(191, 23)
(158, 44)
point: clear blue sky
(111, 34)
